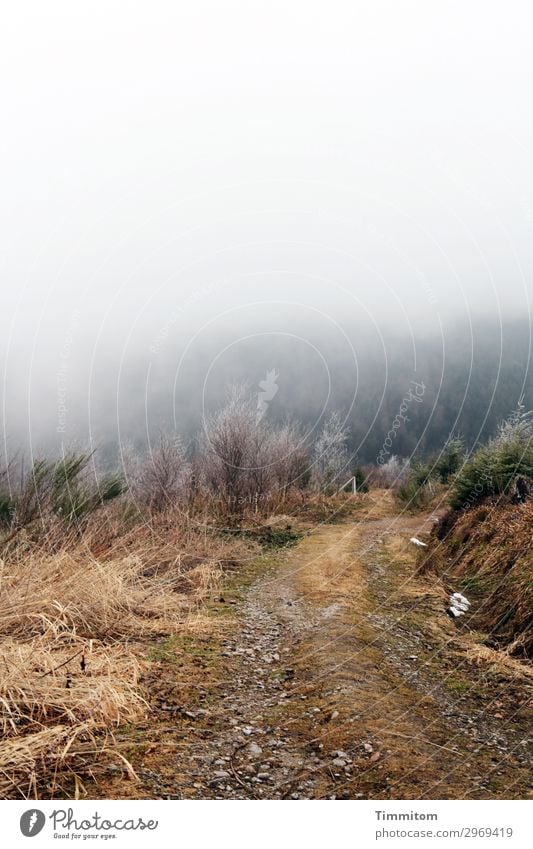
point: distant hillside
(472, 381)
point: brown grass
(328, 509)
(73, 619)
(487, 553)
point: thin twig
(60, 665)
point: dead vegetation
(98, 571)
(105, 582)
(73, 623)
(486, 553)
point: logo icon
(32, 822)
(269, 389)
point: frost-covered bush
(389, 475)
(330, 457)
(161, 478)
(248, 460)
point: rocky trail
(336, 674)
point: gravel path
(344, 678)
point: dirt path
(341, 677)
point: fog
(194, 194)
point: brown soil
(330, 671)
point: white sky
(369, 160)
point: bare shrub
(291, 459)
(389, 475)
(227, 448)
(250, 464)
(330, 459)
(163, 478)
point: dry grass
(69, 592)
(497, 664)
(73, 618)
(86, 682)
(487, 553)
(25, 762)
(318, 508)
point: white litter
(459, 605)
(418, 542)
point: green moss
(457, 685)
(164, 652)
(268, 537)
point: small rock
(221, 774)
(254, 749)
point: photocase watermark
(62, 372)
(32, 822)
(65, 825)
(415, 395)
(485, 483)
(429, 292)
(269, 389)
(172, 320)
(250, 498)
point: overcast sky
(167, 166)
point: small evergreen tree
(503, 466)
(450, 459)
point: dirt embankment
(487, 554)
